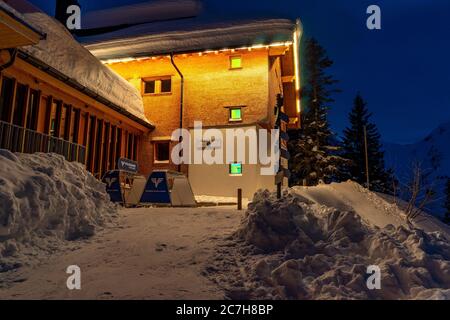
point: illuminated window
(162, 151)
(236, 62)
(236, 169)
(166, 85)
(150, 87)
(236, 114)
(158, 86)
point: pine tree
(447, 202)
(313, 158)
(354, 149)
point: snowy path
(154, 254)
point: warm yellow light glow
(259, 46)
(297, 35)
(236, 62)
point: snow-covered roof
(19, 17)
(61, 52)
(188, 35)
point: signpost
(282, 123)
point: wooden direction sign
(282, 124)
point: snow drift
(45, 197)
(377, 209)
(295, 248)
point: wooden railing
(20, 139)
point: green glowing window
(236, 169)
(235, 114)
(236, 62)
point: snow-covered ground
(219, 201)
(152, 253)
(45, 201)
(376, 209)
(317, 243)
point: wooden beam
(288, 79)
(15, 33)
(278, 51)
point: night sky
(402, 71)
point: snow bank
(62, 52)
(294, 248)
(219, 201)
(45, 198)
(377, 209)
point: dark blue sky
(402, 71)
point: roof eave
(76, 85)
(29, 34)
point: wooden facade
(34, 106)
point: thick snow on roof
(63, 53)
(188, 35)
(18, 16)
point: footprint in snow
(161, 247)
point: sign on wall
(157, 189)
(128, 165)
(112, 181)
